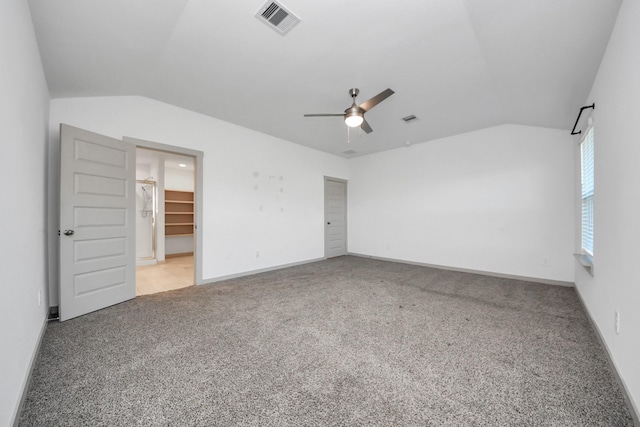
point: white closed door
(335, 218)
(97, 222)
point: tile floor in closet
(174, 273)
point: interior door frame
(198, 184)
(346, 214)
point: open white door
(97, 220)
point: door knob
(68, 232)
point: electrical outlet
(39, 298)
(616, 321)
(545, 260)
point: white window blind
(586, 161)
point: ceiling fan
(354, 115)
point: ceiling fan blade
(324, 115)
(365, 126)
(368, 105)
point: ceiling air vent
(349, 152)
(409, 119)
(277, 17)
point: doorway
(97, 251)
(165, 221)
(335, 217)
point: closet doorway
(165, 220)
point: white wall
(179, 179)
(143, 171)
(262, 197)
(616, 281)
(24, 103)
(498, 200)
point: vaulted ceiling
(458, 65)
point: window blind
(587, 169)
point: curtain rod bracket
(573, 132)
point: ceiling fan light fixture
(354, 115)
(353, 118)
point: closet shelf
(178, 203)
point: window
(586, 168)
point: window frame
(590, 196)
(585, 257)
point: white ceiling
(458, 65)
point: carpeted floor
(347, 341)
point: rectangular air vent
(277, 17)
(349, 152)
(409, 118)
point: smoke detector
(276, 16)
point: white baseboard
(467, 270)
(635, 412)
(258, 271)
(27, 378)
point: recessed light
(182, 165)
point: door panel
(335, 207)
(97, 223)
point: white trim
(260, 270)
(583, 137)
(586, 261)
(199, 178)
(27, 378)
(635, 411)
(467, 270)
